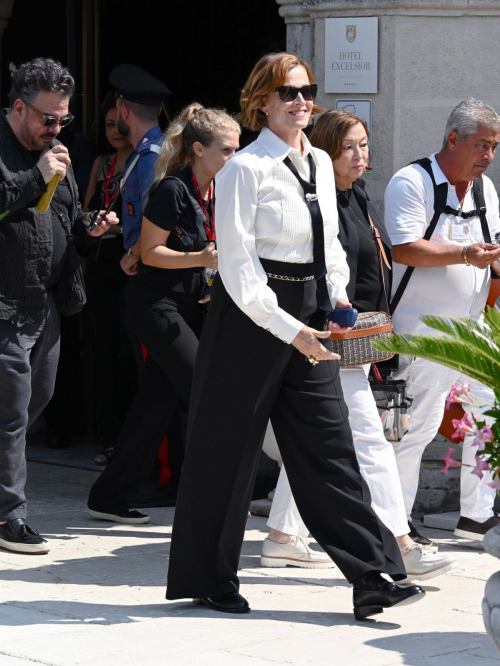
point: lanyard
(209, 226)
(108, 180)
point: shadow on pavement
(443, 647)
(74, 612)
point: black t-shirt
(369, 293)
(173, 206)
(170, 207)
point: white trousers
(375, 456)
(428, 384)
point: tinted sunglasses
(289, 93)
(48, 120)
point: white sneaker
(422, 564)
(295, 553)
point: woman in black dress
(166, 303)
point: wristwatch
(464, 255)
(131, 254)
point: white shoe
(295, 553)
(422, 564)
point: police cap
(136, 85)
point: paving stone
(98, 599)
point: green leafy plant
(474, 349)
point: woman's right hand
(208, 257)
(307, 341)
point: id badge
(460, 232)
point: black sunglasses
(48, 120)
(289, 93)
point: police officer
(139, 105)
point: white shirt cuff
(283, 325)
(336, 293)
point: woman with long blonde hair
(167, 297)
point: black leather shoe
(15, 535)
(226, 603)
(372, 602)
(418, 538)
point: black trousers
(115, 371)
(169, 330)
(244, 376)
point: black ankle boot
(372, 593)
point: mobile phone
(344, 317)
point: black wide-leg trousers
(245, 376)
(169, 331)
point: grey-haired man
(449, 245)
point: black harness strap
(440, 197)
(440, 206)
(477, 188)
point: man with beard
(139, 105)
(33, 254)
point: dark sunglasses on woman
(289, 93)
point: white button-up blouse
(261, 213)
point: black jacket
(348, 234)
(25, 233)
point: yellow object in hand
(46, 198)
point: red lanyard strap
(208, 224)
(108, 180)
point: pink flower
(449, 461)
(481, 465)
(463, 427)
(456, 392)
(482, 437)
(496, 481)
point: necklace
(363, 223)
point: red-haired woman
(265, 354)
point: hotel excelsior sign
(351, 55)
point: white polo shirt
(446, 291)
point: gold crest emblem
(350, 33)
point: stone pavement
(98, 599)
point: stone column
(5, 14)
(298, 31)
(432, 54)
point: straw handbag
(355, 346)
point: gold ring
(313, 360)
